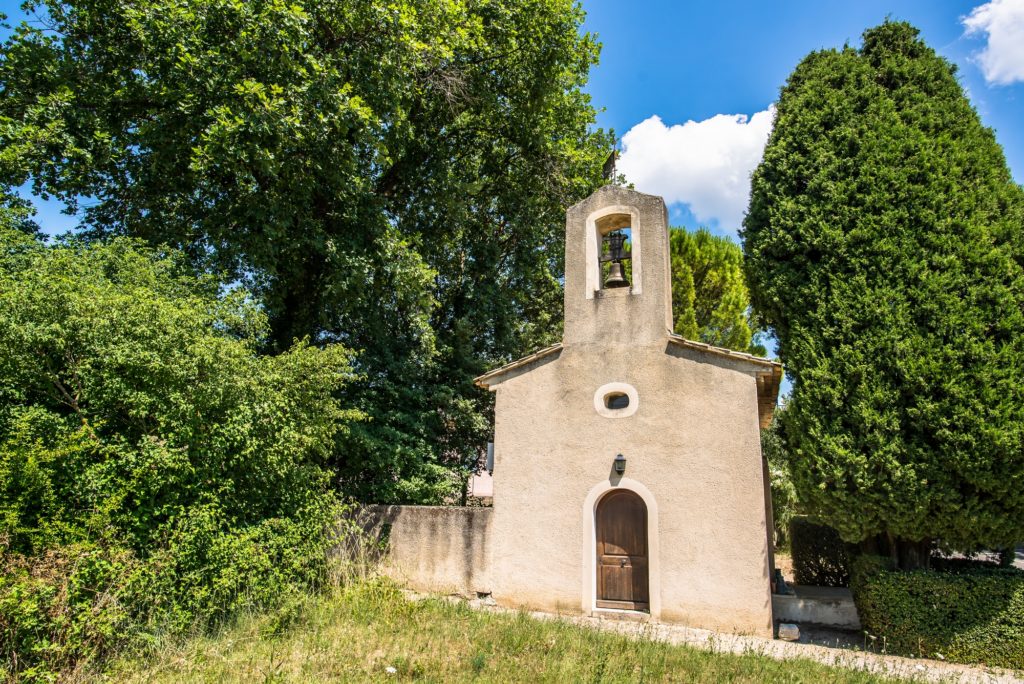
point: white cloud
(1002, 60)
(703, 164)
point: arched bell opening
(615, 236)
(602, 252)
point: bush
(77, 603)
(157, 472)
(210, 569)
(968, 615)
(820, 557)
(71, 604)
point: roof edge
(767, 364)
(484, 381)
(609, 186)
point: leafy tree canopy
(710, 302)
(884, 245)
(132, 394)
(389, 175)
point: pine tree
(710, 302)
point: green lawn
(357, 634)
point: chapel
(627, 467)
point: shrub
(73, 603)
(157, 472)
(966, 614)
(820, 557)
(210, 569)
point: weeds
(367, 631)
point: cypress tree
(883, 245)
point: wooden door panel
(617, 584)
(622, 577)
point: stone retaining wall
(433, 548)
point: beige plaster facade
(690, 436)
(432, 548)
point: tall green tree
(390, 174)
(884, 244)
(710, 301)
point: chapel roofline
(767, 373)
(484, 381)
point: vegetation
(157, 472)
(710, 302)
(784, 501)
(390, 176)
(820, 557)
(884, 248)
(969, 614)
(360, 632)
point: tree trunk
(910, 555)
(300, 293)
(905, 554)
(913, 555)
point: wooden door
(621, 522)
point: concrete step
(829, 606)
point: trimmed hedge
(966, 614)
(819, 555)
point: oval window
(616, 400)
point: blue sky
(705, 63)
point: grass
(370, 632)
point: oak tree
(390, 175)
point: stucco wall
(693, 444)
(692, 448)
(433, 548)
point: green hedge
(819, 555)
(965, 614)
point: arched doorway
(622, 567)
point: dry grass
(370, 632)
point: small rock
(391, 670)
(788, 631)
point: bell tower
(617, 275)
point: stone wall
(433, 548)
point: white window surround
(616, 388)
(589, 512)
(602, 222)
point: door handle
(622, 563)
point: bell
(616, 278)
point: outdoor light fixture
(620, 464)
(616, 276)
